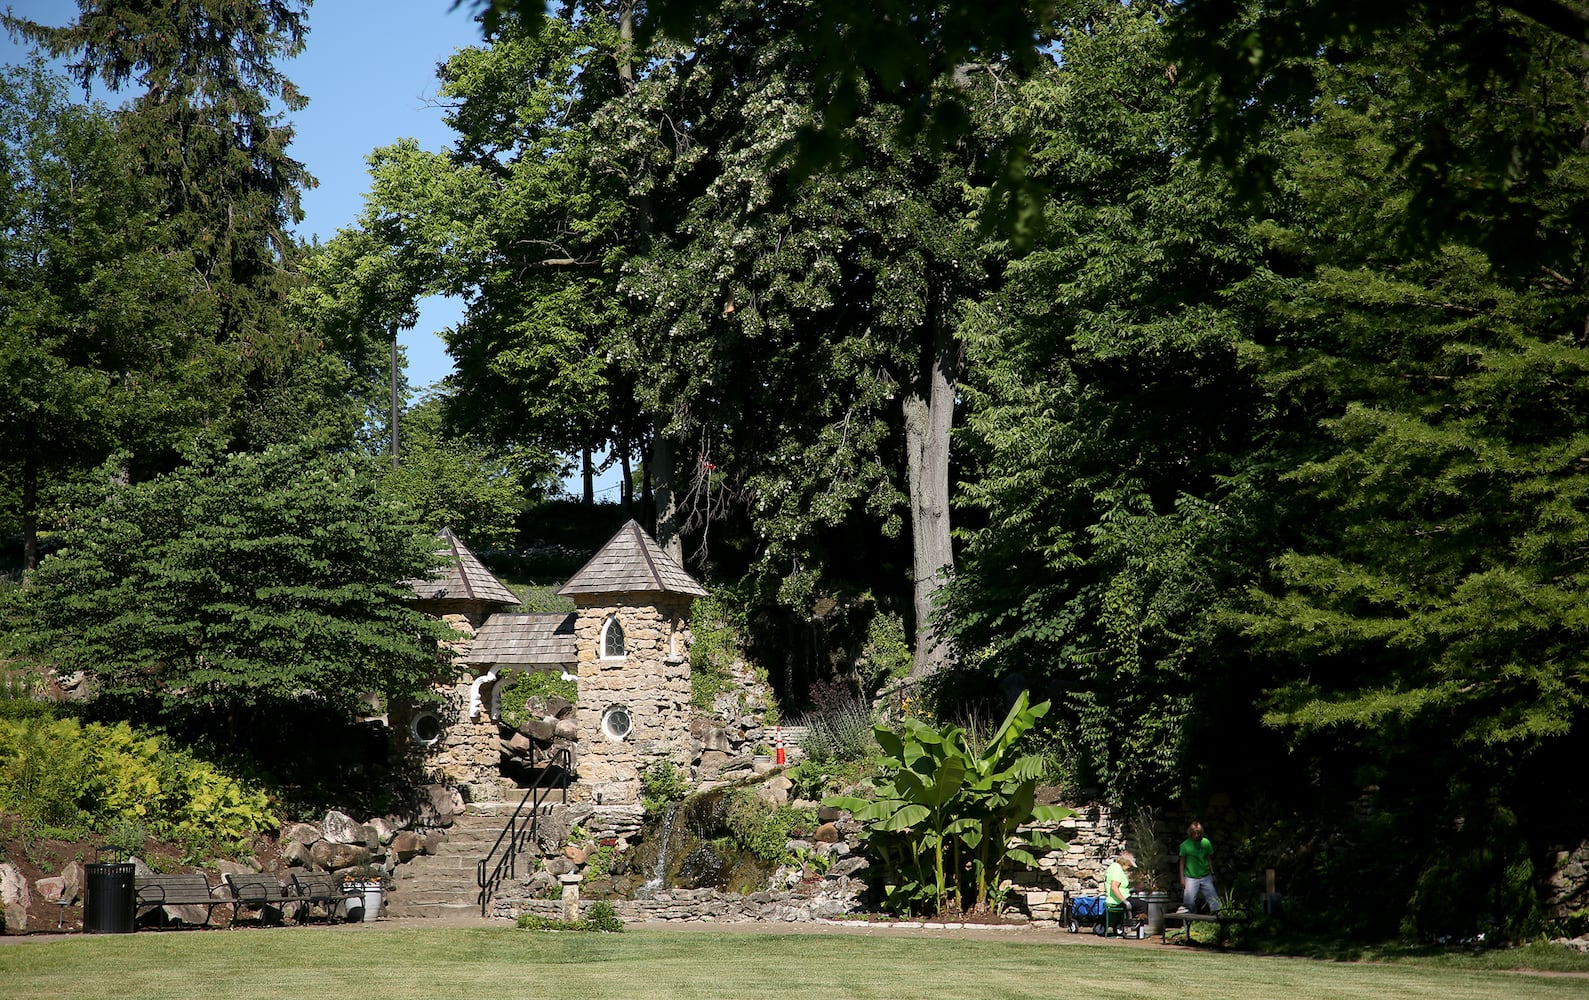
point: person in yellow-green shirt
(1197, 871)
(1117, 886)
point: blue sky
(369, 71)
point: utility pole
(395, 402)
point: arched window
(612, 640)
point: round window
(615, 723)
(425, 729)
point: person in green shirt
(1197, 871)
(1117, 887)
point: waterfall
(661, 871)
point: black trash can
(109, 904)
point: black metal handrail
(518, 832)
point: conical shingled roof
(464, 578)
(632, 562)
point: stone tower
(631, 638)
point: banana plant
(935, 796)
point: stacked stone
(550, 730)
(1093, 838)
(1567, 887)
(833, 898)
(339, 843)
(651, 680)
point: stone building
(632, 645)
(626, 646)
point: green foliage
(236, 583)
(762, 829)
(599, 917)
(715, 631)
(537, 686)
(451, 482)
(661, 785)
(887, 654)
(110, 778)
(1110, 405)
(599, 863)
(943, 818)
(602, 917)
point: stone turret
(631, 638)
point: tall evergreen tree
(1113, 433)
(1426, 632)
(202, 129)
(92, 352)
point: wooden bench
(151, 892)
(1189, 920)
(262, 891)
(328, 891)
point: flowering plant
(364, 875)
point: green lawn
(508, 964)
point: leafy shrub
(78, 777)
(715, 631)
(661, 785)
(762, 829)
(535, 684)
(599, 864)
(886, 655)
(601, 917)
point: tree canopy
(237, 583)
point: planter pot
(1159, 903)
(366, 907)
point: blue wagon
(1094, 912)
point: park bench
(327, 891)
(258, 890)
(180, 895)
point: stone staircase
(445, 884)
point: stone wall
(1566, 889)
(1093, 837)
(652, 681)
(824, 902)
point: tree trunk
(628, 481)
(587, 472)
(929, 415)
(30, 503)
(661, 469)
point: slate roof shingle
(542, 638)
(632, 562)
(464, 578)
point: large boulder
(340, 828)
(301, 833)
(334, 857)
(558, 708)
(540, 730)
(440, 806)
(14, 897)
(551, 831)
(385, 829)
(775, 789)
(297, 855)
(407, 845)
